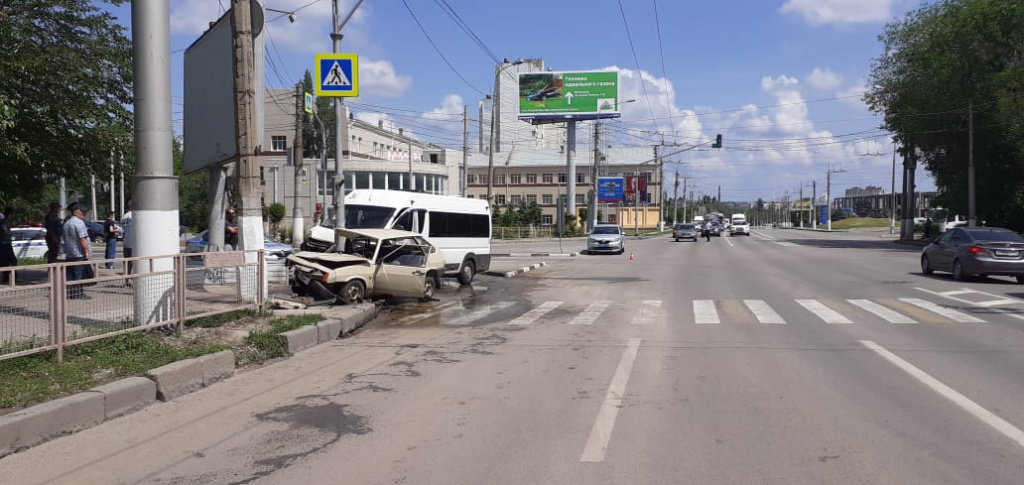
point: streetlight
(291, 15)
(490, 156)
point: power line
(438, 50)
(661, 49)
(637, 61)
(465, 28)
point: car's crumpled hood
(326, 262)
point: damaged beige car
(375, 263)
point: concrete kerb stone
(511, 274)
(126, 395)
(358, 316)
(42, 422)
(328, 330)
(536, 255)
(177, 378)
(301, 338)
(217, 366)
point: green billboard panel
(568, 95)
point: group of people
(70, 234)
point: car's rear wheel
(958, 271)
(926, 265)
(677, 239)
(428, 288)
(467, 272)
(352, 292)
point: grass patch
(859, 222)
(36, 378)
(220, 319)
(268, 343)
(31, 261)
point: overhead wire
(438, 49)
(443, 4)
(636, 59)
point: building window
(471, 179)
(531, 198)
(647, 176)
(581, 177)
(546, 178)
(499, 199)
(499, 179)
(278, 143)
(515, 178)
(547, 199)
(483, 179)
(531, 178)
(580, 199)
(561, 178)
(433, 158)
(517, 200)
(547, 219)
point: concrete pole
(828, 199)
(298, 224)
(892, 210)
(409, 148)
(341, 131)
(250, 230)
(570, 169)
(972, 216)
(113, 189)
(92, 188)
(218, 207)
(814, 206)
(490, 151)
(122, 188)
(595, 174)
(465, 150)
(675, 200)
(636, 202)
(684, 199)
(155, 213)
(62, 198)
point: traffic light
(319, 208)
(718, 142)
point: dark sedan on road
(972, 251)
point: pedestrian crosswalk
(896, 311)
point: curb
(535, 255)
(34, 425)
(511, 274)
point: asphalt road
(785, 357)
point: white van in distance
(738, 217)
(458, 227)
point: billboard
(635, 184)
(610, 189)
(560, 96)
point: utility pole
(812, 208)
(92, 188)
(465, 150)
(909, 168)
(828, 194)
(636, 202)
(408, 146)
(892, 210)
(155, 187)
(570, 169)
(971, 214)
(298, 231)
(684, 198)
(595, 174)
(340, 129)
(675, 199)
(801, 201)
(250, 231)
(113, 187)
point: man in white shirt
(129, 238)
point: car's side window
(403, 255)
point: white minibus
(458, 227)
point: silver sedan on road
(970, 251)
(606, 238)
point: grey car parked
(970, 251)
(684, 231)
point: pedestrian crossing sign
(337, 75)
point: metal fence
(41, 309)
(527, 232)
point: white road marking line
(823, 312)
(999, 424)
(731, 245)
(705, 313)
(887, 314)
(532, 315)
(763, 312)
(984, 304)
(949, 313)
(955, 292)
(479, 313)
(601, 433)
(422, 316)
(647, 312)
(591, 313)
(989, 303)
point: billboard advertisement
(635, 184)
(560, 96)
(610, 189)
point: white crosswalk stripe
(949, 313)
(885, 313)
(647, 312)
(823, 312)
(532, 315)
(705, 313)
(477, 314)
(763, 312)
(593, 312)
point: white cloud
(768, 84)
(857, 89)
(824, 79)
(378, 77)
(193, 17)
(451, 106)
(820, 12)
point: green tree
(193, 193)
(67, 87)
(940, 63)
(276, 213)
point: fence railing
(526, 232)
(42, 308)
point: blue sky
(779, 79)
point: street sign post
(610, 189)
(562, 96)
(308, 103)
(337, 75)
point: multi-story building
(508, 129)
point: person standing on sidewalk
(110, 237)
(7, 256)
(129, 238)
(230, 231)
(76, 248)
(53, 230)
